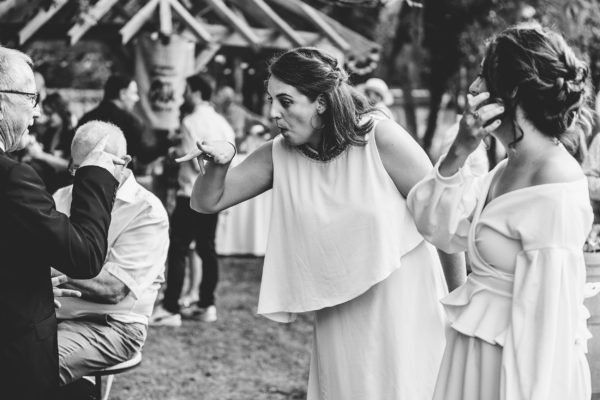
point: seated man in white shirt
(108, 324)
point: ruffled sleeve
(545, 342)
(443, 206)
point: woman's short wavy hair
(313, 72)
(535, 68)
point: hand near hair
(100, 158)
(58, 292)
(476, 123)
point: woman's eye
(286, 103)
(269, 99)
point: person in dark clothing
(120, 97)
(34, 237)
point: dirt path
(240, 357)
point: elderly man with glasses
(34, 236)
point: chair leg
(98, 387)
(109, 382)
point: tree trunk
(435, 99)
(410, 110)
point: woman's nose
(274, 112)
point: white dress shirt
(203, 124)
(138, 241)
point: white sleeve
(442, 207)
(138, 255)
(591, 168)
(543, 355)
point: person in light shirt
(108, 324)
(203, 124)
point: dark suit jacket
(34, 237)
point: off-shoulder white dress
(518, 324)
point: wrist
(453, 161)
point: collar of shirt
(127, 190)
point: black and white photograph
(300, 199)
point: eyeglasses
(33, 97)
(72, 167)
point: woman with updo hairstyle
(342, 244)
(518, 324)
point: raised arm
(220, 187)
(75, 246)
(406, 163)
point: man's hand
(58, 292)
(100, 158)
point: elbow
(197, 206)
(113, 295)
(115, 298)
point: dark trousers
(188, 225)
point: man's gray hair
(8, 66)
(89, 134)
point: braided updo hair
(313, 72)
(535, 68)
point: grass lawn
(242, 356)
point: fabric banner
(160, 72)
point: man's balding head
(89, 134)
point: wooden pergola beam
(137, 21)
(191, 22)
(39, 20)
(317, 19)
(165, 18)
(236, 23)
(205, 56)
(89, 19)
(6, 6)
(272, 19)
(268, 37)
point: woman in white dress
(518, 325)
(342, 243)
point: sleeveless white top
(337, 228)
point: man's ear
(321, 104)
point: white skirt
(386, 344)
(472, 370)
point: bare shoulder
(258, 165)
(389, 133)
(264, 153)
(558, 168)
(402, 157)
